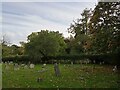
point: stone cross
(57, 70)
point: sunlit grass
(72, 76)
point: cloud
(21, 19)
(49, 0)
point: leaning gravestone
(57, 70)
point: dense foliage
(45, 43)
(98, 31)
(96, 36)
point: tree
(69, 44)
(44, 44)
(81, 30)
(104, 27)
(5, 40)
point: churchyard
(71, 76)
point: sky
(20, 19)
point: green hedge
(107, 58)
(18, 58)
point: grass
(0, 75)
(72, 76)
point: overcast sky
(19, 19)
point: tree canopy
(45, 43)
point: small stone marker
(25, 66)
(39, 79)
(57, 70)
(32, 66)
(103, 62)
(71, 63)
(94, 61)
(86, 62)
(6, 67)
(44, 65)
(22, 65)
(115, 68)
(16, 66)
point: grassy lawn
(72, 76)
(0, 75)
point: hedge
(18, 58)
(107, 58)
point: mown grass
(72, 76)
(0, 75)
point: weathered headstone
(22, 65)
(94, 61)
(6, 67)
(25, 66)
(115, 68)
(103, 62)
(10, 62)
(32, 66)
(71, 63)
(16, 66)
(81, 62)
(39, 79)
(57, 70)
(86, 62)
(44, 65)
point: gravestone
(71, 63)
(11, 62)
(103, 62)
(115, 68)
(86, 62)
(32, 66)
(22, 65)
(39, 79)
(57, 70)
(25, 66)
(44, 65)
(94, 61)
(16, 66)
(6, 66)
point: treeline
(96, 37)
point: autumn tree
(104, 27)
(81, 30)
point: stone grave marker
(7, 66)
(115, 68)
(57, 70)
(32, 66)
(71, 63)
(25, 66)
(16, 66)
(44, 65)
